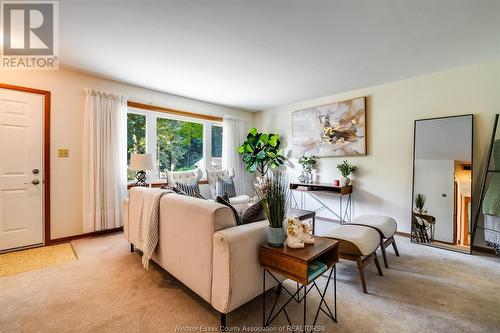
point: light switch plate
(63, 152)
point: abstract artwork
(332, 130)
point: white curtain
(104, 160)
(233, 135)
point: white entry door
(21, 169)
(435, 179)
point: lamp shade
(139, 162)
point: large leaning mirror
(442, 182)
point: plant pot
(276, 236)
(344, 181)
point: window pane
(179, 145)
(216, 162)
(136, 138)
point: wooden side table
(293, 264)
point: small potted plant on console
(346, 169)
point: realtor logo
(30, 35)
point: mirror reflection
(442, 182)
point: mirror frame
(471, 115)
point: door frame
(46, 152)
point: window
(177, 142)
(179, 145)
(136, 138)
(216, 162)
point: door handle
(35, 171)
(35, 182)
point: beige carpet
(32, 259)
(106, 290)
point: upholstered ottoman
(357, 243)
(386, 226)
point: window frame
(152, 113)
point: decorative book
(315, 269)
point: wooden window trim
(137, 105)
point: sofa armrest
(237, 274)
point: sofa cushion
(385, 224)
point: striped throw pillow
(191, 189)
(225, 185)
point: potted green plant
(346, 169)
(261, 151)
(419, 203)
(274, 193)
(308, 165)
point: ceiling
(261, 54)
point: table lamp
(141, 163)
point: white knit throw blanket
(148, 227)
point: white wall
(66, 87)
(383, 184)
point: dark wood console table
(343, 213)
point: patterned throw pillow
(191, 189)
(173, 188)
(225, 185)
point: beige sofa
(200, 244)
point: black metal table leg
(305, 309)
(340, 210)
(335, 291)
(296, 296)
(264, 298)
(223, 325)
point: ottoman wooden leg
(361, 274)
(379, 269)
(395, 247)
(384, 255)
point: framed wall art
(332, 130)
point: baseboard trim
(483, 250)
(403, 234)
(86, 235)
